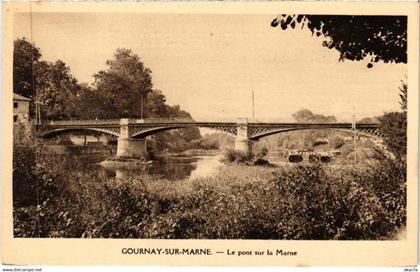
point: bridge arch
(144, 132)
(54, 132)
(370, 134)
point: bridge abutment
(242, 142)
(130, 147)
(244, 146)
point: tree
(125, 90)
(52, 83)
(403, 95)
(356, 37)
(25, 56)
(56, 90)
(156, 106)
(90, 104)
(394, 128)
(305, 115)
(124, 85)
(368, 120)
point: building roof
(19, 97)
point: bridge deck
(166, 122)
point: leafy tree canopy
(57, 90)
(125, 90)
(25, 55)
(124, 85)
(356, 37)
(305, 115)
(369, 120)
(403, 95)
(394, 128)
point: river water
(175, 167)
(171, 168)
(166, 167)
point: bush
(255, 157)
(119, 211)
(317, 207)
(114, 209)
(388, 182)
(24, 175)
(261, 152)
(209, 211)
(321, 206)
(232, 155)
(337, 142)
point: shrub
(117, 210)
(114, 209)
(261, 153)
(209, 211)
(321, 206)
(337, 142)
(24, 175)
(232, 155)
(388, 182)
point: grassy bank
(239, 202)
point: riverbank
(188, 153)
(124, 162)
(236, 202)
(99, 149)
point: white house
(20, 109)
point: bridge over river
(131, 133)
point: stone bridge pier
(242, 142)
(128, 146)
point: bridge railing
(82, 122)
(189, 120)
(115, 121)
(166, 120)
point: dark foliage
(232, 155)
(380, 38)
(403, 95)
(304, 116)
(25, 55)
(57, 91)
(393, 126)
(343, 206)
(337, 142)
(24, 175)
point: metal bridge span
(131, 132)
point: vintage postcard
(201, 133)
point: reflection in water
(172, 168)
(205, 166)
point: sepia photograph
(210, 126)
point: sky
(210, 64)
